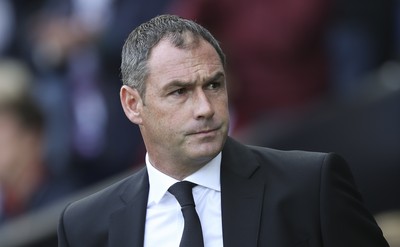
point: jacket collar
(242, 195)
(127, 224)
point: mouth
(204, 132)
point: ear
(131, 103)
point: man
(175, 90)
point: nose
(203, 108)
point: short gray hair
(138, 45)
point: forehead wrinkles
(169, 61)
(194, 65)
(189, 73)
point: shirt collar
(208, 176)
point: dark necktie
(192, 235)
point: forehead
(169, 62)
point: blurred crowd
(61, 124)
(71, 51)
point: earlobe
(131, 103)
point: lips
(205, 131)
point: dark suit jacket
(269, 198)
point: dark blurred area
(311, 75)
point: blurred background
(311, 75)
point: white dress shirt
(164, 220)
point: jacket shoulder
(91, 214)
(289, 157)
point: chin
(207, 151)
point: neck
(176, 170)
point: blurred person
(69, 87)
(175, 89)
(21, 162)
(25, 181)
(73, 47)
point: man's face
(185, 115)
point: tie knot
(183, 192)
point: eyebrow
(216, 77)
(179, 83)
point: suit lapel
(242, 193)
(127, 223)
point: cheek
(222, 107)
(161, 124)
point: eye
(214, 85)
(179, 91)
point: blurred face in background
(20, 149)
